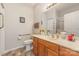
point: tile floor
(19, 52)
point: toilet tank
(26, 37)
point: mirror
(49, 21)
(71, 22)
(62, 19)
(50, 25)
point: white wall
(71, 22)
(14, 27)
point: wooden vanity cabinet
(67, 52)
(45, 48)
(41, 50)
(35, 46)
(51, 52)
(52, 46)
(41, 47)
(51, 49)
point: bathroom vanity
(56, 20)
(47, 46)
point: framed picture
(22, 19)
(36, 25)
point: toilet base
(28, 47)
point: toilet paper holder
(25, 35)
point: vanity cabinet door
(35, 52)
(51, 53)
(46, 48)
(35, 43)
(52, 46)
(41, 50)
(68, 52)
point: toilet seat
(28, 41)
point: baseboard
(11, 50)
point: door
(67, 52)
(51, 53)
(35, 50)
(41, 50)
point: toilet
(27, 41)
(28, 44)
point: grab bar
(24, 34)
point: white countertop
(63, 42)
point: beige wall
(14, 27)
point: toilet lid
(28, 41)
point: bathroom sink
(49, 37)
(53, 37)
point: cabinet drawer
(41, 50)
(68, 52)
(49, 45)
(51, 53)
(41, 41)
(35, 51)
(52, 46)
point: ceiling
(65, 6)
(29, 4)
